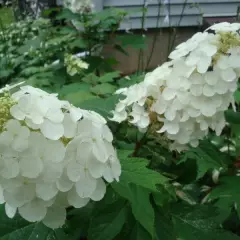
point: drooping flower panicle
(79, 6)
(187, 95)
(52, 156)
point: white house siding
(193, 12)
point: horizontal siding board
(208, 9)
(122, 3)
(192, 14)
(187, 21)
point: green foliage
(227, 193)
(161, 195)
(17, 228)
(108, 221)
(207, 157)
(134, 170)
(199, 222)
(6, 16)
(140, 203)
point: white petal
(119, 116)
(55, 115)
(33, 211)
(10, 211)
(86, 186)
(208, 110)
(11, 169)
(108, 174)
(13, 125)
(192, 112)
(19, 144)
(52, 172)
(51, 130)
(17, 113)
(99, 150)
(46, 191)
(64, 184)
(208, 90)
(55, 217)
(2, 200)
(75, 113)
(203, 125)
(74, 171)
(168, 93)
(116, 168)
(95, 167)
(20, 196)
(204, 64)
(76, 201)
(197, 78)
(55, 151)
(107, 134)
(211, 77)
(70, 127)
(6, 138)
(196, 90)
(170, 114)
(172, 128)
(100, 191)
(30, 166)
(31, 125)
(228, 75)
(194, 143)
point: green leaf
(232, 117)
(67, 14)
(79, 43)
(30, 44)
(164, 225)
(134, 170)
(19, 229)
(108, 222)
(109, 77)
(139, 233)
(237, 96)
(207, 156)
(76, 98)
(100, 105)
(140, 202)
(135, 41)
(74, 87)
(103, 89)
(165, 195)
(199, 222)
(9, 226)
(227, 192)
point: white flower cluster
(52, 156)
(188, 95)
(74, 64)
(79, 6)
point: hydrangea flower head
(52, 156)
(79, 6)
(188, 95)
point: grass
(6, 16)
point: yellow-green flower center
(6, 102)
(227, 41)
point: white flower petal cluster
(52, 156)
(79, 6)
(74, 64)
(189, 94)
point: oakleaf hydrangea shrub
(187, 96)
(52, 155)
